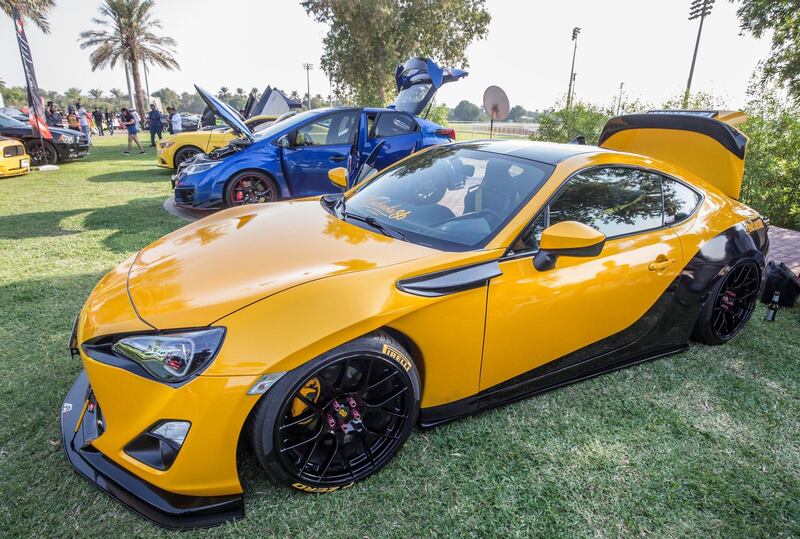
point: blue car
(292, 157)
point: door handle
(338, 158)
(661, 263)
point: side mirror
(283, 142)
(338, 177)
(567, 238)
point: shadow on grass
(134, 224)
(147, 175)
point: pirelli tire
(340, 418)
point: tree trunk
(137, 89)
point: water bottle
(772, 308)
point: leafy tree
(35, 10)
(96, 94)
(782, 19)
(366, 40)
(516, 113)
(562, 124)
(697, 100)
(118, 95)
(772, 169)
(255, 91)
(438, 114)
(224, 93)
(240, 91)
(466, 112)
(168, 96)
(73, 94)
(126, 35)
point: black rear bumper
(164, 508)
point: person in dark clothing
(52, 116)
(97, 116)
(208, 118)
(154, 123)
(109, 121)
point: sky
(646, 44)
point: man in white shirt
(83, 120)
(176, 121)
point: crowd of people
(77, 117)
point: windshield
(452, 198)
(287, 124)
(6, 121)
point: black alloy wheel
(730, 305)
(184, 154)
(250, 187)
(42, 153)
(342, 420)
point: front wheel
(339, 418)
(185, 153)
(250, 187)
(729, 305)
(42, 152)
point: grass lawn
(700, 443)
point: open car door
(272, 102)
(705, 143)
(418, 79)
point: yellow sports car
(468, 275)
(13, 159)
(175, 149)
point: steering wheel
(493, 218)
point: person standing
(130, 123)
(72, 119)
(109, 121)
(98, 120)
(154, 123)
(175, 121)
(83, 121)
(52, 116)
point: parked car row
(66, 144)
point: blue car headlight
(203, 166)
(172, 357)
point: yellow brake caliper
(311, 392)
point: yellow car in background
(13, 159)
(174, 150)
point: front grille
(184, 196)
(12, 151)
(83, 139)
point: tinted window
(679, 201)
(450, 197)
(337, 129)
(615, 201)
(393, 123)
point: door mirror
(338, 177)
(567, 238)
(283, 142)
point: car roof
(545, 152)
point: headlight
(66, 139)
(200, 167)
(172, 357)
(166, 144)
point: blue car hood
(228, 115)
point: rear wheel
(339, 418)
(42, 152)
(250, 187)
(729, 305)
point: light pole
(575, 32)
(619, 99)
(701, 9)
(308, 68)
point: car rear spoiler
(705, 143)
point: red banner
(36, 111)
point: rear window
(679, 201)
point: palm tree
(117, 94)
(96, 94)
(126, 35)
(240, 92)
(35, 10)
(73, 94)
(224, 92)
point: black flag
(35, 101)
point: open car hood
(272, 102)
(228, 115)
(418, 79)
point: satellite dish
(495, 102)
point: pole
(575, 32)
(308, 68)
(574, 79)
(619, 99)
(146, 83)
(700, 8)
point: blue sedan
(291, 158)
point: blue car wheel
(250, 187)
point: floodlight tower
(308, 68)
(575, 32)
(699, 9)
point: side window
(339, 128)
(679, 201)
(393, 123)
(615, 200)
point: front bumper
(164, 508)
(73, 151)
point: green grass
(703, 443)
